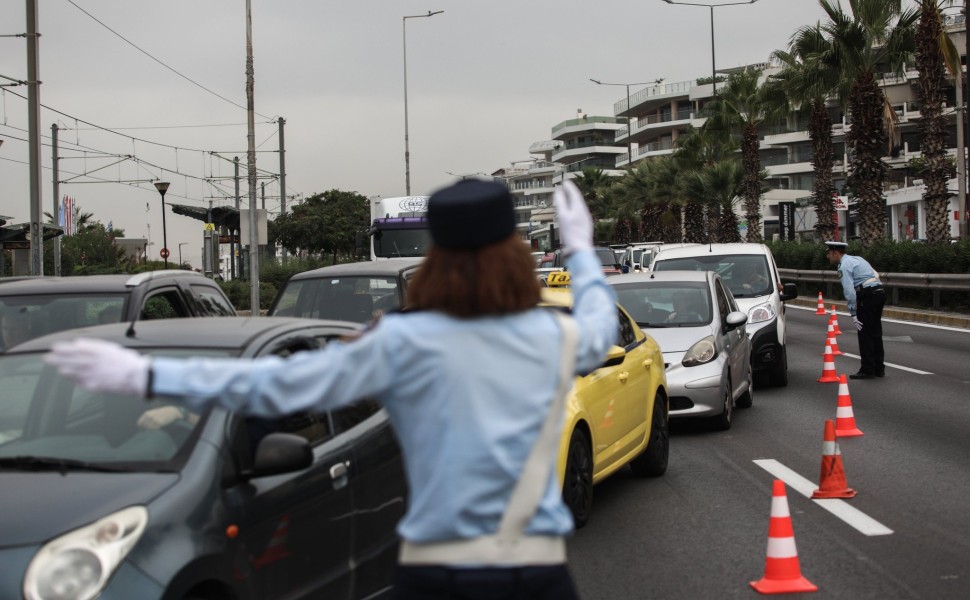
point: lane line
(840, 508)
(888, 320)
(895, 366)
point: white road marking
(887, 320)
(895, 366)
(840, 508)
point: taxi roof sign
(558, 279)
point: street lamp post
(629, 113)
(162, 187)
(407, 149)
(180, 252)
(711, 7)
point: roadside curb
(894, 312)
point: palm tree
(742, 106)
(720, 183)
(807, 86)
(698, 149)
(877, 35)
(649, 189)
(934, 50)
(593, 183)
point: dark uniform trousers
(871, 301)
(551, 582)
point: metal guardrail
(893, 282)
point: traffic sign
(210, 227)
(164, 252)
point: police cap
(470, 214)
(839, 246)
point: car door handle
(339, 470)
(648, 362)
(623, 376)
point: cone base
(848, 432)
(828, 379)
(820, 312)
(846, 493)
(784, 586)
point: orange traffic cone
(821, 305)
(834, 320)
(844, 418)
(828, 367)
(831, 480)
(783, 575)
(831, 341)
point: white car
(749, 271)
(696, 322)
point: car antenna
(131, 328)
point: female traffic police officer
(484, 366)
(865, 298)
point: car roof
(204, 332)
(93, 283)
(711, 249)
(659, 276)
(390, 266)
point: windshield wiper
(47, 463)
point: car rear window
(357, 299)
(30, 316)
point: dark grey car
(97, 498)
(355, 292)
(36, 306)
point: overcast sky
(485, 80)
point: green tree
(327, 222)
(742, 107)
(807, 86)
(594, 183)
(697, 151)
(874, 36)
(934, 51)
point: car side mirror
(789, 292)
(735, 319)
(281, 453)
(615, 356)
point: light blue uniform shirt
(466, 397)
(854, 271)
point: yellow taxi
(615, 415)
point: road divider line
(840, 508)
(893, 365)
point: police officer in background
(865, 299)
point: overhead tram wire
(132, 44)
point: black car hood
(35, 507)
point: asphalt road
(700, 531)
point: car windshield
(391, 243)
(354, 299)
(666, 303)
(606, 256)
(26, 317)
(45, 420)
(745, 274)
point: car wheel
(745, 399)
(722, 422)
(779, 377)
(652, 462)
(577, 487)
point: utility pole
(964, 230)
(33, 118)
(282, 178)
(232, 233)
(57, 200)
(251, 159)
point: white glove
(857, 322)
(100, 366)
(575, 222)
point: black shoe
(862, 375)
(881, 373)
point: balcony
(654, 92)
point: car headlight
(77, 565)
(700, 353)
(760, 313)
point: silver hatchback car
(707, 356)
